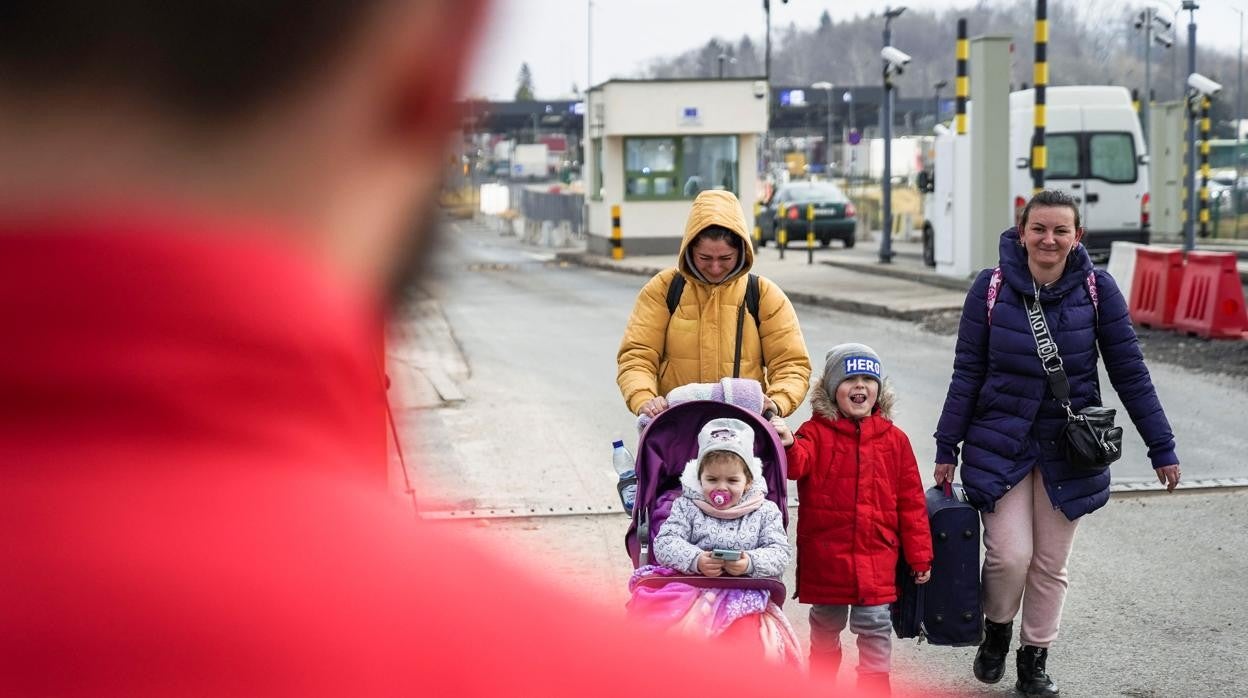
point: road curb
(946, 282)
(585, 259)
(845, 305)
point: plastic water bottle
(622, 461)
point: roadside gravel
(1222, 356)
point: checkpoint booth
(652, 145)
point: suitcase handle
(948, 488)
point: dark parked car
(835, 217)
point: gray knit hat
(725, 434)
(845, 360)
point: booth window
(595, 192)
(671, 168)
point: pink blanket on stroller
(711, 613)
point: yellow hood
(722, 208)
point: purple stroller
(666, 445)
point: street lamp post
(886, 204)
(827, 143)
(1239, 117)
(1150, 23)
(767, 79)
(848, 99)
(1189, 226)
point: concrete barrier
(1121, 264)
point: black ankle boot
(990, 659)
(1033, 681)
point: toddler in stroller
(721, 545)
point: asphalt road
(1156, 588)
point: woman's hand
(738, 567)
(782, 430)
(944, 472)
(1169, 475)
(653, 407)
(709, 566)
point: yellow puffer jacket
(697, 343)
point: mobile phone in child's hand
(708, 565)
(726, 555)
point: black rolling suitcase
(947, 610)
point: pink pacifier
(720, 498)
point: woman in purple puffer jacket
(1002, 413)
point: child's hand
(738, 567)
(922, 577)
(709, 566)
(782, 429)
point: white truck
(1095, 150)
(529, 161)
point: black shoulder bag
(1090, 440)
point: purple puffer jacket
(999, 406)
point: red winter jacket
(862, 503)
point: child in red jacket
(861, 506)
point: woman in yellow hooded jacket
(697, 342)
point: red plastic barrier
(1155, 287)
(1211, 300)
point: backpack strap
(752, 294)
(675, 288)
(1090, 281)
(994, 288)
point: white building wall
(631, 109)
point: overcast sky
(551, 34)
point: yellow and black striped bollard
(962, 85)
(1039, 154)
(1204, 167)
(810, 233)
(782, 235)
(617, 240)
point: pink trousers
(1027, 543)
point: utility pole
(589, 48)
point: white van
(1095, 153)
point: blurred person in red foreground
(203, 209)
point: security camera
(1203, 85)
(1164, 40)
(895, 57)
(760, 89)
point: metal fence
(545, 206)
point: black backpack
(677, 287)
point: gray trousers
(872, 625)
